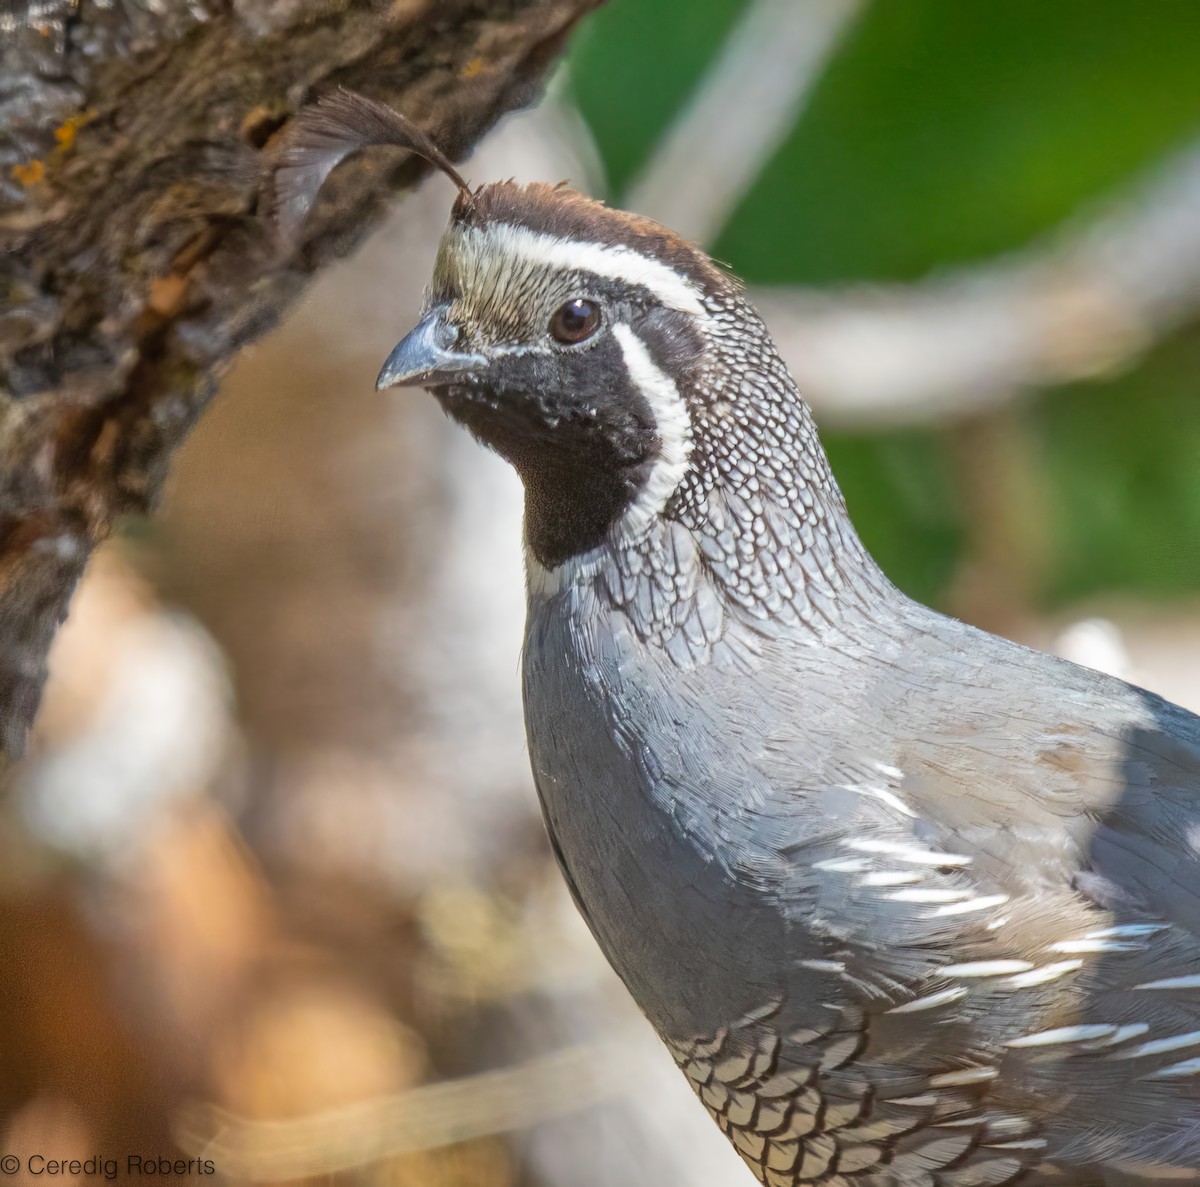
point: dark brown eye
(575, 321)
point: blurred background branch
(424, 1118)
(745, 107)
(1089, 301)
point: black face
(571, 418)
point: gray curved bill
(426, 356)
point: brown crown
(564, 213)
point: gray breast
(690, 943)
(897, 923)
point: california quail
(910, 904)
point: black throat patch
(576, 429)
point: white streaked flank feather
(983, 903)
(891, 878)
(1160, 1046)
(824, 966)
(907, 852)
(1191, 981)
(986, 968)
(931, 1002)
(975, 1075)
(1123, 1035)
(929, 895)
(1189, 1067)
(1085, 945)
(1048, 972)
(1065, 1034)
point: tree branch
(1087, 300)
(134, 263)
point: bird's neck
(757, 528)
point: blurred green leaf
(946, 131)
(900, 494)
(634, 64)
(941, 131)
(1122, 460)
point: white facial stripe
(482, 249)
(675, 434)
(673, 423)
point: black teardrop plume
(323, 135)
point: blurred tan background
(274, 890)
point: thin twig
(423, 1118)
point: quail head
(909, 904)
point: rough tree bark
(134, 264)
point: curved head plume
(323, 135)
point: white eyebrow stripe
(613, 262)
